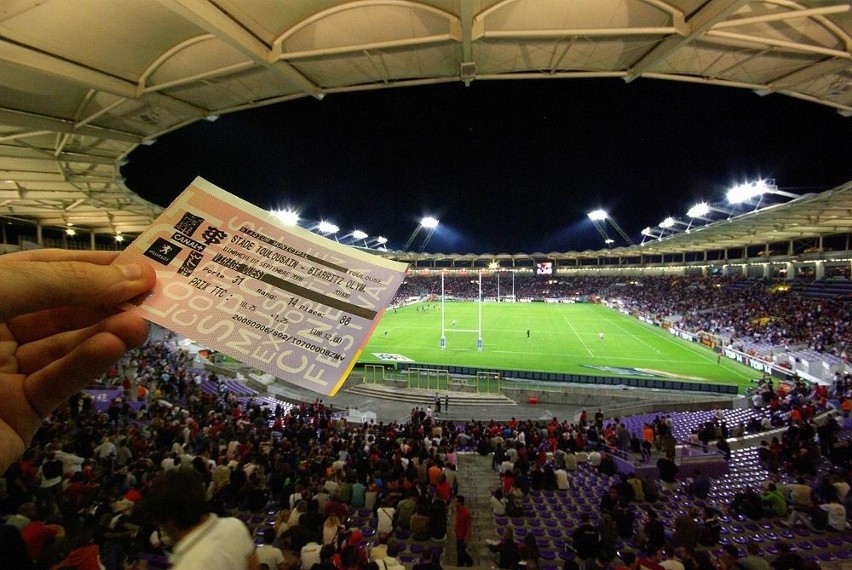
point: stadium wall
(564, 378)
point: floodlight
(358, 234)
(287, 217)
(429, 223)
(327, 228)
(699, 210)
(609, 241)
(598, 215)
(667, 223)
(740, 193)
(119, 238)
(70, 231)
(648, 232)
(381, 240)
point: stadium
(724, 331)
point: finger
(39, 354)
(59, 380)
(88, 256)
(43, 324)
(37, 285)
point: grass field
(562, 338)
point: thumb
(30, 286)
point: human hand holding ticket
(277, 298)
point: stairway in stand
(476, 481)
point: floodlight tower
(287, 217)
(649, 233)
(427, 224)
(598, 218)
(669, 224)
(359, 235)
(701, 210)
(747, 192)
(327, 229)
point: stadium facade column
(767, 271)
(791, 271)
(819, 270)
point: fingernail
(132, 271)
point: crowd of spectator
(82, 490)
(80, 495)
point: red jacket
(463, 523)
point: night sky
(506, 166)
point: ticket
(277, 298)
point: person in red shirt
(37, 535)
(463, 525)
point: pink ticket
(278, 298)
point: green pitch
(562, 338)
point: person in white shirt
(562, 482)
(674, 561)
(836, 515)
(203, 541)
(385, 514)
(595, 458)
(309, 555)
(270, 555)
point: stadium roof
(86, 82)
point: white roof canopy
(85, 82)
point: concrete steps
(476, 481)
(422, 397)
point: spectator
(462, 529)
(585, 538)
(175, 501)
(507, 551)
(667, 469)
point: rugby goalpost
(478, 330)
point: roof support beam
(45, 63)
(42, 122)
(467, 31)
(210, 18)
(708, 16)
(791, 46)
(788, 15)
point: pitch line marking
(586, 346)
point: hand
(60, 327)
